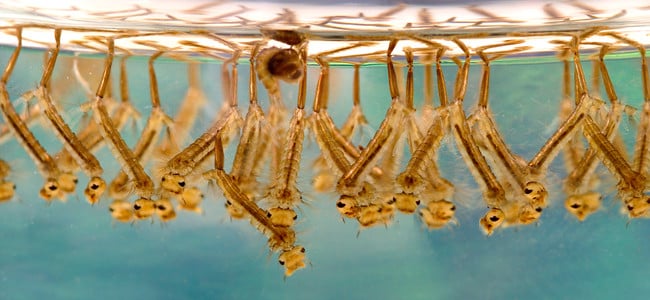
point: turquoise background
(75, 251)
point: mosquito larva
(631, 184)
(83, 157)
(330, 150)
(89, 135)
(342, 137)
(195, 99)
(324, 180)
(641, 161)
(423, 149)
(184, 163)
(279, 237)
(493, 192)
(46, 165)
(251, 150)
(540, 162)
(143, 185)
(513, 167)
(356, 119)
(580, 202)
(501, 211)
(30, 116)
(573, 150)
(193, 103)
(359, 198)
(147, 140)
(349, 183)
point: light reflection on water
(74, 250)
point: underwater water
(74, 250)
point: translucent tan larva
(493, 192)
(251, 153)
(349, 183)
(185, 162)
(531, 194)
(279, 237)
(143, 185)
(149, 136)
(631, 184)
(82, 156)
(423, 152)
(89, 135)
(193, 103)
(44, 162)
(581, 201)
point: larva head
(292, 260)
(388, 210)
(406, 203)
(95, 189)
(638, 207)
(536, 194)
(282, 217)
(7, 190)
(286, 65)
(144, 208)
(50, 189)
(492, 220)
(191, 198)
(165, 210)
(67, 182)
(121, 210)
(438, 214)
(235, 210)
(529, 214)
(119, 188)
(370, 215)
(347, 206)
(582, 206)
(173, 183)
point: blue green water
(75, 251)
